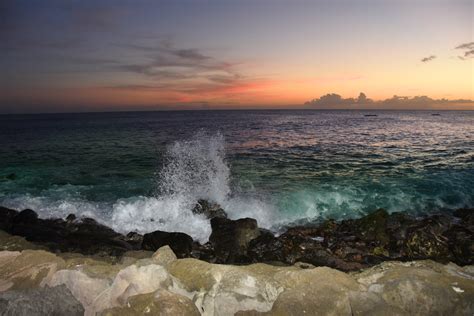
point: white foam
(194, 169)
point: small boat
(370, 114)
(435, 114)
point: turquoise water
(144, 170)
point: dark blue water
(126, 169)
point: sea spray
(193, 169)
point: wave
(197, 168)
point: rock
(83, 287)
(15, 243)
(71, 218)
(6, 216)
(224, 289)
(28, 269)
(180, 243)
(164, 256)
(131, 281)
(425, 240)
(318, 291)
(230, 238)
(208, 209)
(292, 247)
(40, 302)
(162, 302)
(25, 217)
(422, 288)
(85, 236)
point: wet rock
(292, 247)
(6, 216)
(40, 302)
(71, 218)
(25, 217)
(209, 209)
(84, 236)
(161, 302)
(180, 243)
(425, 240)
(230, 238)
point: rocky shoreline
(348, 245)
(375, 265)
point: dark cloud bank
(335, 101)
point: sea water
(144, 171)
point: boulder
(180, 243)
(28, 269)
(84, 236)
(164, 256)
(161, 302)
(40, 302)
(6, 216)
(230, 238)
(421, 287)
(209, 210)
(224, 289)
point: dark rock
(230, 238)
(208, 209)
(135, 239)
(71, 218)
(425, 240)
(86, 236)
(25, 217)
(292, 247)
(40, 302)
(204, 252)
(180, 243)
(6, 217)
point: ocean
(144, 171)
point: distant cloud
(466, 46)
(468, 49)
(429, 58)
(333, 100)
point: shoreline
(80, 267)
(347, 245)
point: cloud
(468, 49)
(429, 58)
(469, 45)
(333, 100)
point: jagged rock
(223, 289)
(162, 302)
(292, 247)
(164, 256)
(208, 209)
(180, 243)
(85, 236)
(40, 302)
(28, 269)
(230, 238)
(6, 216)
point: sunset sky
(125, 55)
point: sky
(91, 55)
